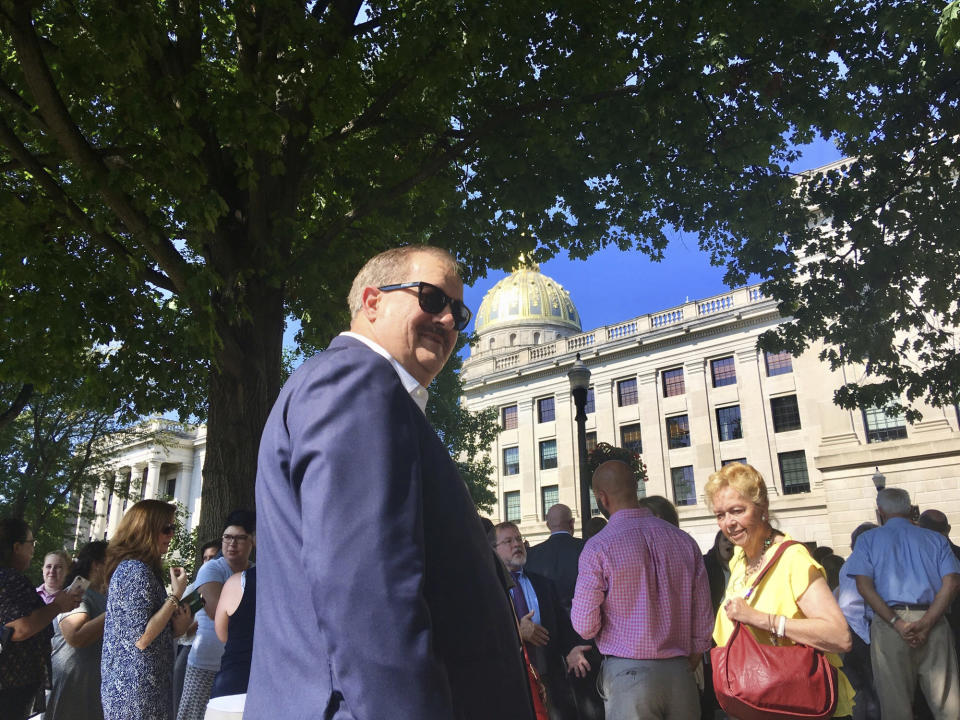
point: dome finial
(524, 262)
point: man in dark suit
(557, 556)
(378, 596)
(545, 627)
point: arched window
(536, 338)
(513, 339)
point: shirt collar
(418, 393)
(561, 532)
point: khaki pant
(897, 667)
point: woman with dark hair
(141, 620)
(203, 663)
(78, 641)
(27, 649)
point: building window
(728, 423)
(591, 441)
(630, 438)
(511, 506)
(793, 472)
(546, 410)
(171, 487)
(627, 392)
(549, 496)
(883, 426)
(678, 432)
(673, 382)
(548, 454)
(590, 407)
(742, 461)
(508, 417)
(786, 413)
(684, 489)
(724, 372)
(779, 363)
(511, 461)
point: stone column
(183, 484)
(138, 486)
(528, 458)
(153, 478)
(650, 434)
(756, 420)
(116, 503)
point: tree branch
(17, 406)
(68, 135)
(74, 212)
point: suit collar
(417, 392)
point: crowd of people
(382, 595)
(104, 649)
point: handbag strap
(766, 568)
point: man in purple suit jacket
(378, 597)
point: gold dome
(527, 297)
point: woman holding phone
(142, 619)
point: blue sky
(612, 285)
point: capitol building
(688, 389)
(685, 386)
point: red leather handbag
(753, 681)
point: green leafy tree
(176, 179)
(876, 273)
(468, 435)
(51, 454)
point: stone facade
(690, 385)
(162, 459)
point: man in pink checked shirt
(642, 592)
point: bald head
(559, 517)
(615, 487)
(934, 520)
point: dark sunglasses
(168, 529)
(433, 300)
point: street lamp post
(579, 376)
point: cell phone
(79, 582)
(194, 601)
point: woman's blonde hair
(138, 536)
(741, 477)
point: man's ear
(370, 303)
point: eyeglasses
(227, 539)
(433, 300)
(168, 529)
(516, 539)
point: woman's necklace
(755, 565)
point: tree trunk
(242, 388)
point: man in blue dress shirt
(908, 576)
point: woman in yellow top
(793, 601)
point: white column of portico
(99, 521)
(153, 478)
(184, 481)
(116, 503)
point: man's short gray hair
(894, 501)
(389, 268)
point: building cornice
(741, 308)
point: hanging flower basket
(605, 451)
